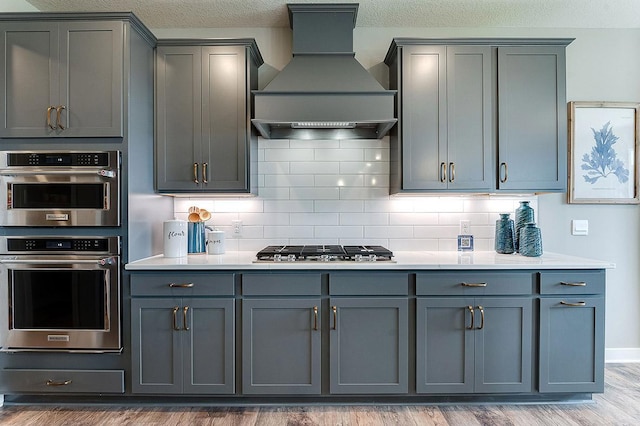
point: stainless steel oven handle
(102, 261)
(108, 173)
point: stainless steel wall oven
(60, 293)
(60, 188)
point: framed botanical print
(603, 153)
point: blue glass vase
(504, 241)
(524, 215)
(530, 240)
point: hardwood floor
(619, 405)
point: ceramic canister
(175, 238)
(215, 242)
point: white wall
(16, 6)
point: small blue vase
(504, 241)
(524, 215)
(195, 237)
(530, 240)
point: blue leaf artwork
(603, 160)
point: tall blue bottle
(524, 215)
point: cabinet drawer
(281, 284)
(572, 282)
(374, 283)
(62, 381)
(472, 283)
(182, 285)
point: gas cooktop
(324, 253)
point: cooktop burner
(324, 253)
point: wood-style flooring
(619, 405)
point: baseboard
(612, 355)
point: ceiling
(371, 13)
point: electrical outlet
(237, 227)
(465, 227)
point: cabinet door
(91, 79)
(28, 79)
(224, 118)
(572, 344)
(424, 130)
(369, 345)
(155, 345)
(503, 345)
(444, 345)
(532, 132)
(281, 346)
(209, 364)
(469, 118)
(178, 118)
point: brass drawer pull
(470, 308)
(452, 172)
(195, 174)
(315, 318)
(576, 284)
(58, 383)
(562, 302)
(59, 109)
(183, 285)
(205, 172)
(473, 284)
(504, 176)
(481, 317)
(175, 318)
(443, 172)
(51, 126)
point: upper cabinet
(478, 115)
(532, 119)
(444, 110)
(61, 78)
(204, 138)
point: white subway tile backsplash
(337, 192)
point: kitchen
(297, 204)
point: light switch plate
(580, 227)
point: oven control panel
(60, 159)
(108, 245)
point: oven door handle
(105, 261)
(108, 173)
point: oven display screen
(58, 196)
(59, 299)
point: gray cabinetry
(281, 334)
(471, 342)
(572, 331)
(183, 343)
(443, 140)
(204, 140)
(532, 117)
(61, 78)
(368, 333)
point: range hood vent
(324, 92)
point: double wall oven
(60, 286)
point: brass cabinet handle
(51, 126)
(504, 176)
(205, 172)
(335, 317)
(315, 317)
(185, 325)
(59, 109)
(58, 383)
(182, 285)
(463, 284)
(576, 284)
(562, 302)
(175, 319)
(195, 173)
(452, 172)
(473, 315)
(481, 317)
(443, 172)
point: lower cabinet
(281, 346)
(368, 345)
(182, 345)
(474, 345)
(571, 349)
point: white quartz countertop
(415, 260)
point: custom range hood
(324, 92)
